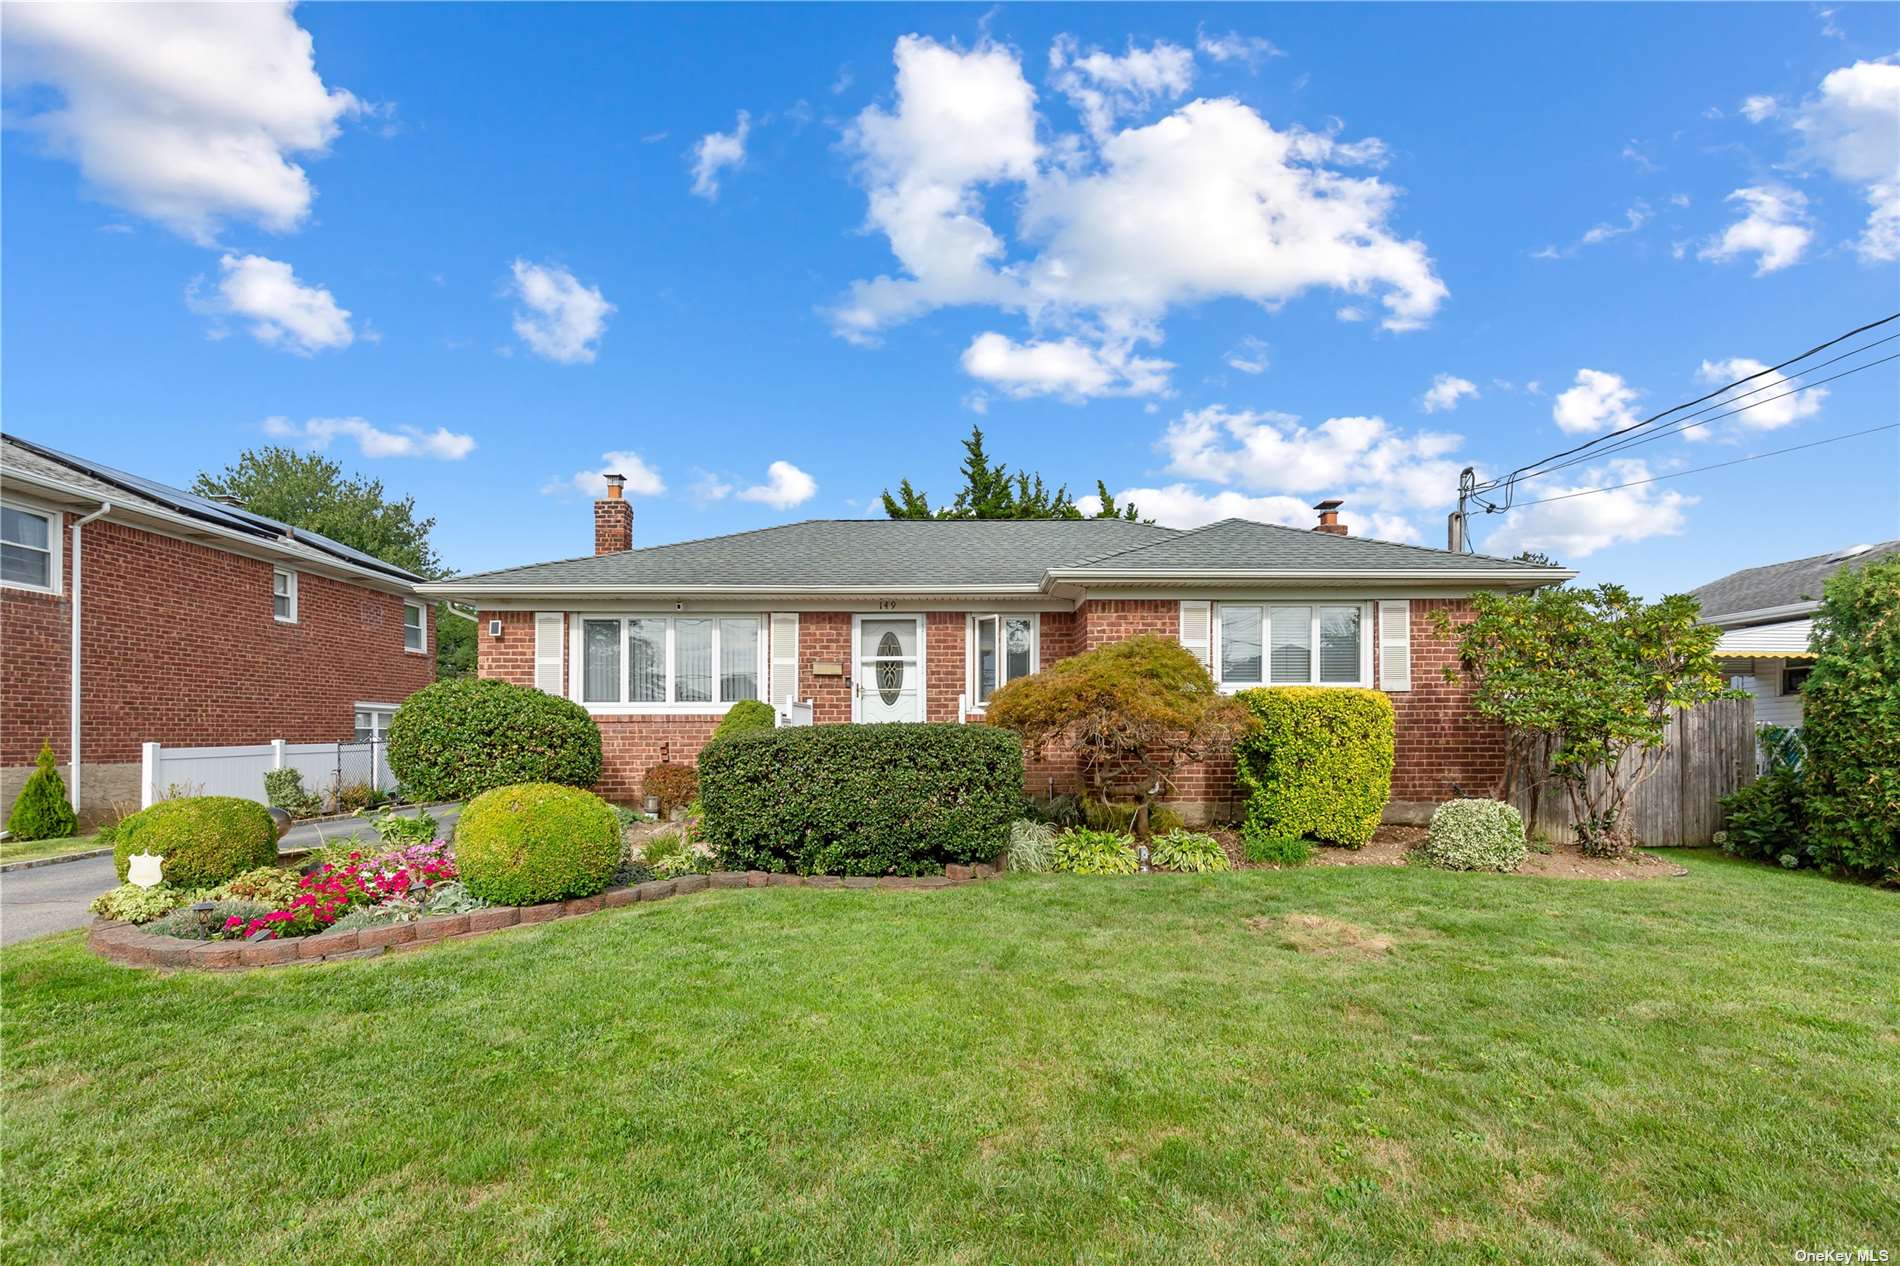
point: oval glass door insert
(890, 669)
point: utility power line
(1678, 474)
(1687, 416)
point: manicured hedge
(1475, 834)
(537, 842)
(1319, 763)
(461, 737)
(205, 840)
(744, 717)
(861, 799)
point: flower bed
(132, 946)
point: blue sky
(1218, 256)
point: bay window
(697, 663)
(1296, 643)
(1002, 648)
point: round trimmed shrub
(205, 840)
(461, 737)
(746, 716)
(1475, 835)
(536, 842)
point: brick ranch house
(890, 620)
(133, 612)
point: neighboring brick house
(894, 620)
(201, 624)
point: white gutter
(73, 710)
(1762, 615)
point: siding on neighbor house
(1772, 707)
(181, 648)
(1443, 747)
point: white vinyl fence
(239, 771)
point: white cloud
(1267, 451)
(1757, 108)
(1249, 357)
(281, 311)
(1445, 393)
(1233, 46)
(404, 441)
(1765, 402)
(1852, 127)
(1181, 505)
(1634, 218)
(1104, 88)
(716, 152)
(785, 486)
(1117, 229)
(1066, 367)
(1775, 229)
(642, 479)
(1580, 526)
(1598, 402)
(187, 114)
(562, 319)
(709, 487)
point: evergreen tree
(990, 491)
(41, 811)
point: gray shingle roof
(976, 553)
(850, 552)
(1242, 544)
(1780, 584)
(125, 489)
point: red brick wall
(1440, 739)
(181, 648)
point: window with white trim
(283, 595)
(1002, 648)
(415, 628)
(681, 663)
(1288, 644)
(29, 548)
(372, 721)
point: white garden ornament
(145, 869)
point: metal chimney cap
(1331, 503)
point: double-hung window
(283, 593)
(1283, 644)
(680, 663)
(29, 549)
(415, 629)
(1002, 648)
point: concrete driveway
(53, 898)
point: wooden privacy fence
(1709, 751)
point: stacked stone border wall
(128, 946)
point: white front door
(889, 673)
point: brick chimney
(613, 518)
(1329, 517)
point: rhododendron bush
(398, 879)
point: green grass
(1038, 1069)
(33, 850)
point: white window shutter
(784, 657)
(1395, 645)
(549, 632)
(1197, 627)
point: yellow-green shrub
(204, 840)
(1318, 763)
(536, 842)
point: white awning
(1786, 640)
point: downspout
(72, 712)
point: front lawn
(1421, 1067)
(33, 850)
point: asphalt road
(53, 898)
